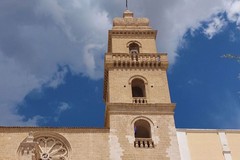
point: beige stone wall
(157, 90)
(89, 144)
(9, 143)
(119, 45)
(205, 146)
(234, 144)
(201, 144)
(163, 135)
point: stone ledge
(19, 129)
(131, 108)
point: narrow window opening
(142, 133)
(138, 88)
(134, 48)
(142, 129)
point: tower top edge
(128, 19)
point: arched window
(138, 88)
(142, 133)
(134, 48)
(142, 129)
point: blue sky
(51, 60)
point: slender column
(226, 151)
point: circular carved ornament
(50, 148)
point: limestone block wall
(163, 134)
(85, 143)
(233, 139)
(120, 90)
(119, 45)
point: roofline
(56, 129)
(195, 130)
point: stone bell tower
(139, 111)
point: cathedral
(139, 114)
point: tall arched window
(142, 129)
(138, 88)
(134, 48)
(142, 133)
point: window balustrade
(143, 143)
(139, 100)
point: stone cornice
(18, 129)
(131, 33)
(143, 109)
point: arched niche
(134, 47)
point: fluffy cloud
(63, 106)
(233, 11)
(215, 26)
(38, 37)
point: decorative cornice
(143, 109)
(133, 33)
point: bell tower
(139, 111)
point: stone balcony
(143, 143)
(139, 100)
(136, 60)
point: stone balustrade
(136, 60)
(143, 143)
(139, 100)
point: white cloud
(63, 106)
(215, 26)
(14, 84)
(39, 37)
(57, 78)
(173, 18)
(233, 11)
(232, 37)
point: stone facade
(211, 144)
(139, 117)
(80, 143)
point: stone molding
(124, 34)
(187, 130)
(143, 109)
(19, 129)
